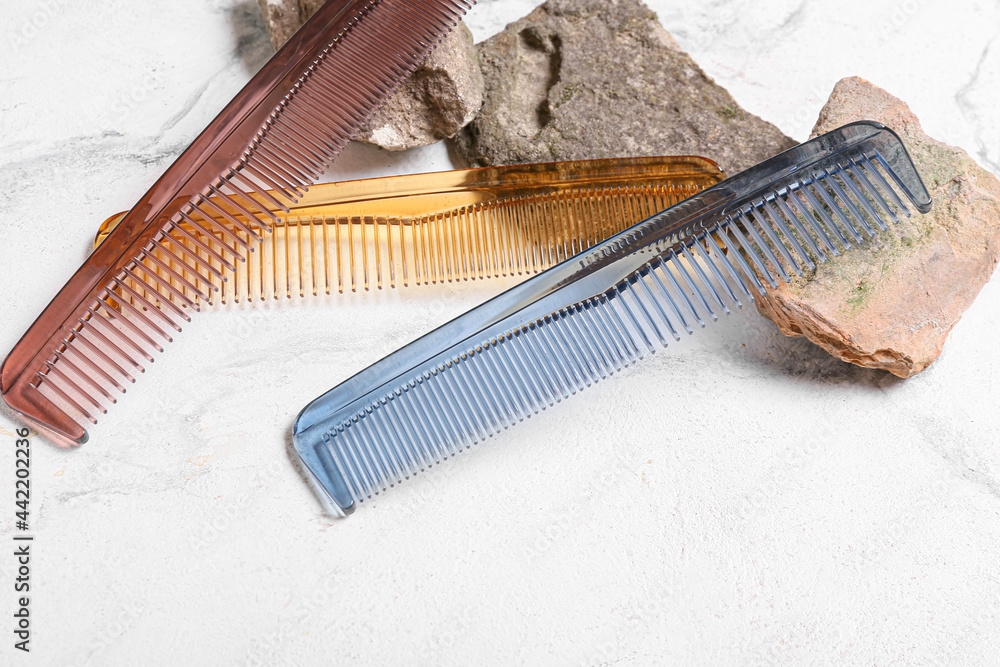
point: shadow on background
(804, 360)
(251, 42)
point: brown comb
(258, 156)
(448, 226)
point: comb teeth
(418, 229)
(509, 237)
(603, 310)
(313, 255)
(285, 127)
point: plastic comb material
(441, 227)
(260, 154)
(605, 308)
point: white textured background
(741, 499)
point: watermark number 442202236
(22, 540)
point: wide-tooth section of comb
(261, 153)
(434, 228)
(604, 309)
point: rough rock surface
(284, 17)
(891, 303)
(442, 97)
(578, 79)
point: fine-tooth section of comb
(260, 154)
(605, 308)
(432, 228)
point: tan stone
(284, 17)
(442, 97)
(891, 303)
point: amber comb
(259, 155)
(432, 228)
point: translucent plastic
(606, 307)
(440, 227)
(261, 153)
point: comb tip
(68, 435)
(36, 410)
(327, 483)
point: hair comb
(580, 321)
(260, 154)
(440, 227)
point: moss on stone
(731, 112)
(860, 296)
(568, 93)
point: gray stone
(578, 79)
(891, 303)
(442, 97)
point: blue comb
(603, 309)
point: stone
(579, 79)
(891, 303)
(441, 97)
(439, 100)
(284, 17)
